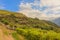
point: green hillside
(29, 28)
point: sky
(42, 9)
(11, 5)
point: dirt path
(8, 36)
(5, 37)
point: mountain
(57, 21)
(17, 26)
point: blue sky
(12, 5)
(42, 9)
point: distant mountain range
(57, 21)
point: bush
(15, 36)
(5, 21)
(38, 34)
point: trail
(3, 36)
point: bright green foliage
(38, 34)
(15, 36)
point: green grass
(15, 36)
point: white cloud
(27, 10)
(50, 2)
(52, 12)
(53, 7)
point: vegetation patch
(15, 36)
(38, 34)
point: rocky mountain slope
(16, 26)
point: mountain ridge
(21, 27)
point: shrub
(15, 36)
(38, 34)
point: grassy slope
(19, 20)
(13, 20)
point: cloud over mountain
(42, 9)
